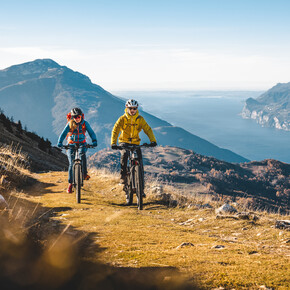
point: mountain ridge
(43, 92)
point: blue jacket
(77, 136)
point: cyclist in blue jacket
(75, 131)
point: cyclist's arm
(91, 131)
(63, 133)
(116, 130)
(148, 131)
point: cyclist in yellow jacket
(130, 125)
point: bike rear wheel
(78, 181)
(139, 187)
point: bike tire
(139, 187)
(129, 191)
(78, 181)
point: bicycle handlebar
(132, 146)
(77, 146)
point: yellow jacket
(130, 127)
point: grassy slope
(255, 253)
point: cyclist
(75, 131)
(130, 125)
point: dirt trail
(164, 238)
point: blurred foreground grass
(102, 241)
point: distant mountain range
(259, 184)
(271, 109)
(40, 94)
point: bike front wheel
(139, 187)
(129, 191)
(78, 181)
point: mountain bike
(134, 182)
(78, 174)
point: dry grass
(253, 253)
(13, 167)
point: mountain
(271, 109)
(264, 184)
(41, 93)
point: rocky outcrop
(264, 184)
(271, 109)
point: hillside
(101, 244)
(271, 109)
(264, 184)
(39, 154)
(42, 92)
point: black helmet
(76, 112)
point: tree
(19, 126)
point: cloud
(145, 67)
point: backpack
(69, 117)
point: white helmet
(131, 103)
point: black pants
(124, 159)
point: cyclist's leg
(71, 156)
(83, 156)
(124, 161)
(139, 155)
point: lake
(215, 116)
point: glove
(95, 143)
(59, 144)
(153, 144)
(114, 146)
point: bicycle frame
(78, 173)
(135, 180)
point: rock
(165, 197)
(282, 224)
(264, 287)
(226, 208)
(188, 222)
(3, 203)
(253, 252)
(244, 215)
(219, 247)
(173, 203)
(206, 205)
(158, 189)
(220, 216)
(255, 218)
(185, 244)
(238, 215)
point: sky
(154, 44)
